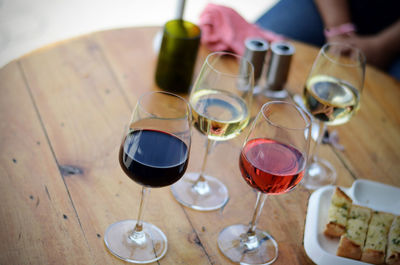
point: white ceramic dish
(321, 249)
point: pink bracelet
(340, 30)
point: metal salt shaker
(278, 69)
(255, 52)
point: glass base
(236, 245)
(205, 196)
(319, 173)
(257, 90)
(145, 247)
(276, 94)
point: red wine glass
(154, 153)
(272, 161)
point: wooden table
(62, 111)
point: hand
(372, 47)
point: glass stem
(321, 133)
(250, 240)
(138, 234)
(261, 197)
(200, 185)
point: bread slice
(393, 249)
(352, 242)
(338, 213)
(377, 237)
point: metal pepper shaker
(278, 69)
(255, 51)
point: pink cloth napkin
(223, 29)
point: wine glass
(272, 161)
(220, 100)
(332, 96)
(154, 153)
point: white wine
(331, 100)
(219, 114)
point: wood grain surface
(63, 109)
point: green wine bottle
(177, 56)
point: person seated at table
(373, 26)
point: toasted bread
(393, 249)
(365, 235)
(377, 237)
(338, 213)
(351, 243)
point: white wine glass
(272, 161)
(154, 153)
(220, 99)
(332, 96)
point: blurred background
(26, 25)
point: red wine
(153, 158)
(270, 166)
